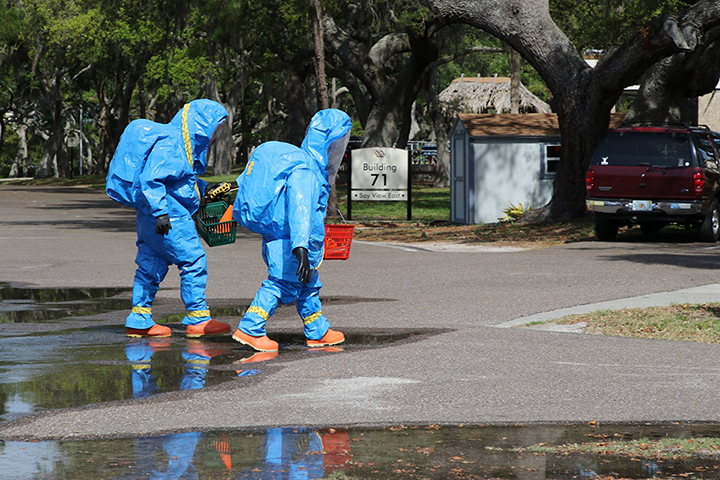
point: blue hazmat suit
(282, 195)
(154, 170)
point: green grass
(686, 322)
(429, 204)
(96, 182)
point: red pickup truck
(653, 176)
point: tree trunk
(319, 58)
(390, 72)
(442, 140)
(441, 124)
(222, 155)
(514, 81)
(669, 89)
(20, 165)
(388, 124)
(583, 121)
(123, 116)
(245, 133)
(53, 161)
(301, 103)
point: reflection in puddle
(376, 453)
(73, 374)
(32, 305)
(95, 365)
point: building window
(550, 159)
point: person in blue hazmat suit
(154, 170)
(282, 195)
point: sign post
(380, 174)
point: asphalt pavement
(470, 360)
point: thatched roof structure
(486, 94)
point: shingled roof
(519, 124)
(484, 94)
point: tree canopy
(88, 67)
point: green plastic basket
(211, 229)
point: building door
(459, 193)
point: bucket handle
(341, 215)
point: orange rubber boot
(331, 337)
(210, 350)
(258, 357)
(204, 329)
(261, 344)
(158, 331)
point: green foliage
(513, 212)
(604, 24)
(357, 129)
(179, 70)
(145, 58)
(10, 24)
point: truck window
(660, 149)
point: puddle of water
(349, 453)
(33, 305)
(67, 371)
(40, 372)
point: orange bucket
(338, 239)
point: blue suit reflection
(179, 447)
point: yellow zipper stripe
(186, 133)
(186, 140)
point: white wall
(507, 171)
(709, 110)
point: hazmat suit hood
(198, 121)
(326, 140)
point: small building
(499, 159)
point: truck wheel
(606, 230)
(710, 228)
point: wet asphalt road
(467, 371)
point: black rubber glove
(162, 224)
(303, 270)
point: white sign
(379, 174)
(361, 195)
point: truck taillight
(698, 181)
(590, 180)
